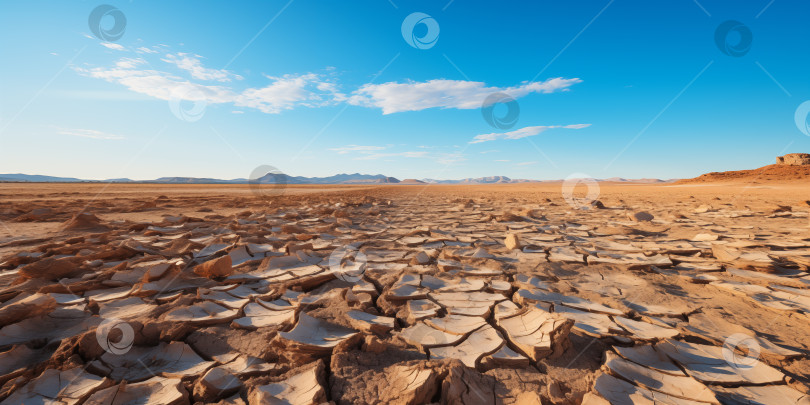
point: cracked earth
(404, 295)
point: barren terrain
(409, 294)
(765, 174)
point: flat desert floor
(517, 293)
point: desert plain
(666, 293)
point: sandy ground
(87, 196)
(517, 293)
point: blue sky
(215, 89)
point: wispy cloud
(523, 132)
(89, 133)
(368, 152)
(144, 49)
(395, 97)
(375, 156)
(290, 91)
(193, 65)
(450, 158)
(183, 76)
(159, 84)
(356, 148)
(129, 63)
(502, 160)
(113, 46)
(282, 93)
(526, 163)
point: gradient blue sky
(316, 88)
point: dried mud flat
(404, 295)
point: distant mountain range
(276, 178)
(270, 178)
(480, 180)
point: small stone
(555, 392)
(703, 209)
(305, 236)
(221, 267)
(512, 241)
(705, 237)
(373, 344)
(291, 228)
(640, 216)
(293, 247)
(420, 258)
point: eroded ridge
(406, 299)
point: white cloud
(526, 163)
(283, 93)
(356, 148)
(523, 132)
(116, 47)
(450, 158)
(368, 152)
(374, 156)
(195, 82)
(332, 88)
(129, 63)
(90, 133)
(289, 91)
(159, 84)
(192, 64)
(144, 49)
(502, 160)
(395, 97)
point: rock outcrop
(794, 159)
